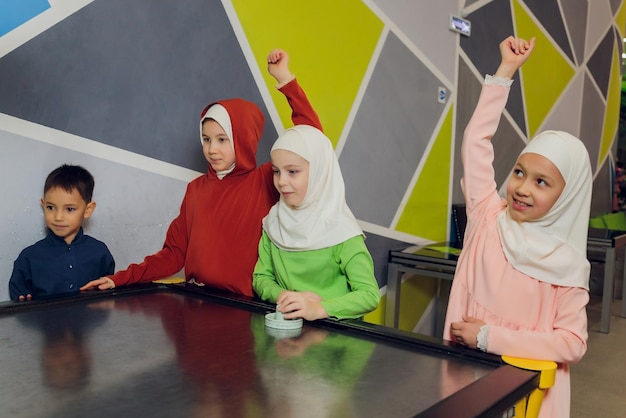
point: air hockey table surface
(183, 351)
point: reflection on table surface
(167, 354)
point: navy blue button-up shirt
(51, 267)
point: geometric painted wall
(118, 86)
(578, 91)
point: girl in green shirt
(313, 262)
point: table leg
(624, 287)
(607, 292)
(393, 295)
(443, 295)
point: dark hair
(70, 177)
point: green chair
(597, 222)
(615, 221)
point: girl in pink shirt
(522, 280)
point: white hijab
(219, 114)
(323, 219)
(553, 249)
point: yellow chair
(170, 280)
(529, 406)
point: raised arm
(477, 151)
(302, 113)
(514, 52)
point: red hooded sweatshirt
(216, 235)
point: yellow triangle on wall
(426, 212)
(328, 53)
(547, 70)
(620, 19)
(611, 116)
(415, 295)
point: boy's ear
(91, 206)
(43, 204)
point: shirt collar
(58, 240)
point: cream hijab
(553, 249)
(323, 219)
(219, 114)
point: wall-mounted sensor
(462, 26)
(441, 94)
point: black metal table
(607, 242)
(178, 350)
(437, 261)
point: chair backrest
(459, 222)
(597, 222)
(615, 221)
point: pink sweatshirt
(527, 318)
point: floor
(599, 380)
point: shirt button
(71, 286)
(69, 248)
(70, 266)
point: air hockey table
(180, 350)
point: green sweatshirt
(343, 275)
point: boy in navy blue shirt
(65, 259)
